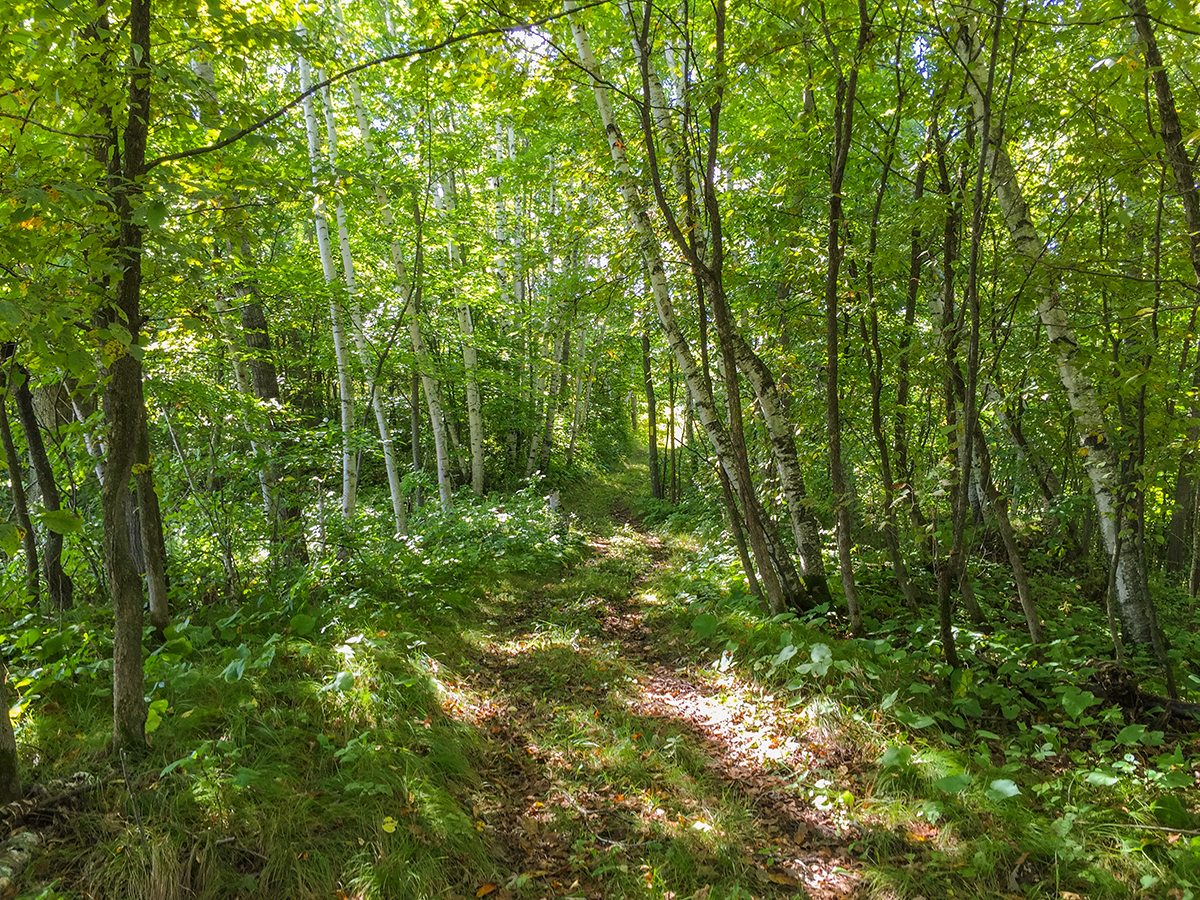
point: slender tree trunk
(1008, 536)
(124, 403)
(358, 333)
(21, 509)
(430, 385)
(285, 504)
(470, 354)
(724, 445)
(58, 583)
(651, 416)
(336, 311)
(1183, 170)
(558, 387)
(805, 527)
(890, 530)
(843, 130)
(1100, 461)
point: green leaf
(10, 313)
(1131, 734)
(154, 715)
(1176, 780)
(171, 767)
(1075, 701)
(784, 655)
(1171, 812)
(953, 784)
(1002, 789)
(898, 756)
(705, 625)
(1102, 778)
(969, 706)
(822, 658)
(151, 214)
(62, 521)
(10, 539)
(914, 720)
(245, 777)
(342, 682)
(235, 670)
(303, 624)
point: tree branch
(346, 73)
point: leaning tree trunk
(782, 587)
(58, 583)
(20, 508)
(1099, 457)
(1183, 168)
(805, 527)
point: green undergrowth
(459, 712)
(1004, 777)
(298, 742)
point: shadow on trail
(607, 772)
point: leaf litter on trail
(555, 809)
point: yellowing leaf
(485, 889)
(389, 824)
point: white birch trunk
(702, 397)
(470, 353)
(431, 389)
(378, 404)
(1100, 461)
(805, 527)
(341, 356)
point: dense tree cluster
(921, 276)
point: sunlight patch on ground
(759, 742)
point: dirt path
(614, 763)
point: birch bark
(1100, 459)
(358, 332)
(782, 587)
(805, 527)
(470, 353)
(336, 313)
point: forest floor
(615, 762)
(523, 704)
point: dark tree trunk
(21, 508)
(124, 403)
(58, 583)
(10, 768)
(266, 388)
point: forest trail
(617, 762)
